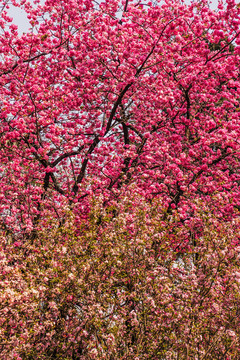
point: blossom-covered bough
(130, 108)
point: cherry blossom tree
(119, 172)
(97, 96)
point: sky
(20, 18)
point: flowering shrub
(119, 286)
